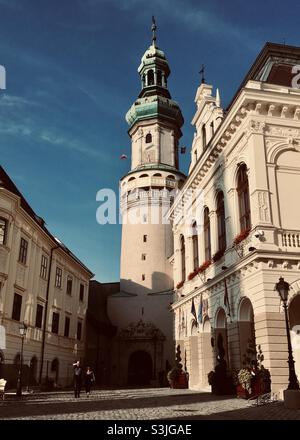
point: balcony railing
(290, 239)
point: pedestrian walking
(77, 378)
(89, 380)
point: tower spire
(153, 28)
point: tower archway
(139, 368)
(246, 332)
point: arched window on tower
(207, 242)
(182, 253)
(195, 246)
(212, 128)
(148, 138)
(244, 199)
(221, 222)
(159, 78)
(150, 77)
(203, 130)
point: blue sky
(72, 75)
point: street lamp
(22, 329)
(283, 289)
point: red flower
(179, 285)
(241, 236)
(217, 256)
(204, 266)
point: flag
(193, 310)
(200, 311)
(226, 297)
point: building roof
(8, 184)
(270, 58)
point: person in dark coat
(77, 378)
(89, 380)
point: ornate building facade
(245, 163)
(44, 285)
(143, 348)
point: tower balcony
(149, 182)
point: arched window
(182, 252)
(195, 246)
(212, 129)
(207, 243)
(244, 200)
(203, 137)
(159, 78)
(221, 222)
(150, 77)
(148, 138)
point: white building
(43, 285)
(245, 163)
(143, 348)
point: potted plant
(241, 236)
(218, 255)
(179, 285)
(177, 378)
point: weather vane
(202, 74)
(153, 28)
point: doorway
(139, 368)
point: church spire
(153, 28)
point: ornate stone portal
(140, 349)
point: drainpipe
(45, 316)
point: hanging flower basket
(179, 285)
(217, 256)
(241, 236)
(204, 266)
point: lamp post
(22, 329)
(283, 289)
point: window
(143, 277)
(150, 78)
(39, 316)
(203, 137)
(44, 266)
(148, 138)
(212, 129)
(79, 330)
(23, 251)
(244, 200)
(17, 305)
(55, 322)
(145, 238)
(69, 285)
(221, 222)
(81, 292)
(67, 327)
(207, 243)
(195, 246)
(3, 230)
(58, 277)
(143, 257)
(182, 252)
(159, 78)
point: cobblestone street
(140, 404)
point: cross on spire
(153, 28)
(202, 74)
